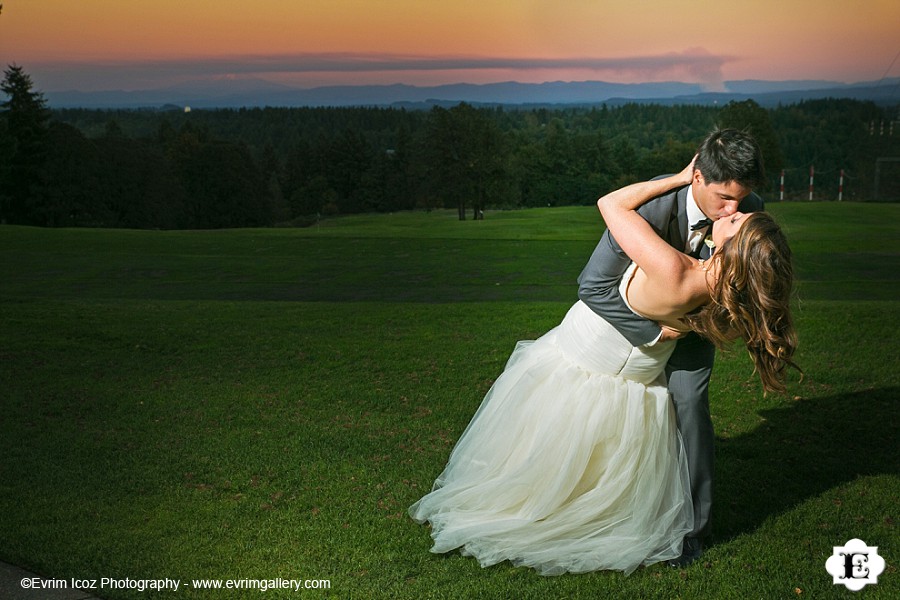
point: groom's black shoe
(691, 550)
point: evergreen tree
(751, 117)
(72, 171)
(24, 114)
(466, 157)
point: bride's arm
(635, 235)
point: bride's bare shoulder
(674, 291)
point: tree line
(206, 169)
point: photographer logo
(855, 565)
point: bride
(573, 462)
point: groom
(728, 165)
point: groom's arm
(598, 287)
(598, 284)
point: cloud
(693, 65)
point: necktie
(702, 223)
(698, 232)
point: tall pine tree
(24, 117)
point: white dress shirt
(694, 214)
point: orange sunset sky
(138, 44)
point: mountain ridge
(252, 93)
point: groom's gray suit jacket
(691, 363)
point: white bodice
(592, 343)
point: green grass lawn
(266, 403)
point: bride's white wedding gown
(573, 462)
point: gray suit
(691, 364)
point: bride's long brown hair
(750, 299)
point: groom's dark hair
(731, 155)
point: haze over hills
(248, 92)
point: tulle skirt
(573, 462)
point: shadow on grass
(801, 451)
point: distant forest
(293, 166)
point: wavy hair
(751, 299)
